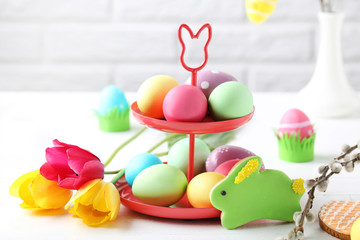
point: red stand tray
(191, 128)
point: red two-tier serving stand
(190, 128)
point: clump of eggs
(156, 183)
(218, 96)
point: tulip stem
(112, 172)
(123, 145)
(118, 176)
(161, 154)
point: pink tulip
(71, 166)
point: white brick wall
(110, 43)
(83, 45)
(51, 10)
(179, 11)
(73, 77)
(20, 43)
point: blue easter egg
(139, 163)
(111, 97)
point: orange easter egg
(151, 95)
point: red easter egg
(226, 167)
(185, 103)
(293, 121)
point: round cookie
(338, 217)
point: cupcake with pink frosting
(296, 137)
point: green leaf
(174, 140)
(212, 140)
(218, 139)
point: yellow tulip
(39, 193)
(96, 202)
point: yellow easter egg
(198, 191)
(151, 94)
(259, 11)
(355, 230)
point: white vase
(328, 94)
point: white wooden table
(30, 121)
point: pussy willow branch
(322, 3)
(338, 158)
(322, 178)
(326, 5)
(308, 206)
(347, 152)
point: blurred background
(84, 45)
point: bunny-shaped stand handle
(190, 69)
(190, 172)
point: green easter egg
(230, 100)
(179, 155)
(160, 185)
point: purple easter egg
(225, 153)
(207, 80)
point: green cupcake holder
(114, 121)
(292, 149)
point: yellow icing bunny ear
(258, 11)
(246, 171)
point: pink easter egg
(226, 167)
(293, 121)
(208, 80)
(185, 103)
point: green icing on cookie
(267, 194)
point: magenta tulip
(71, 166)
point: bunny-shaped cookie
(248, 194)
